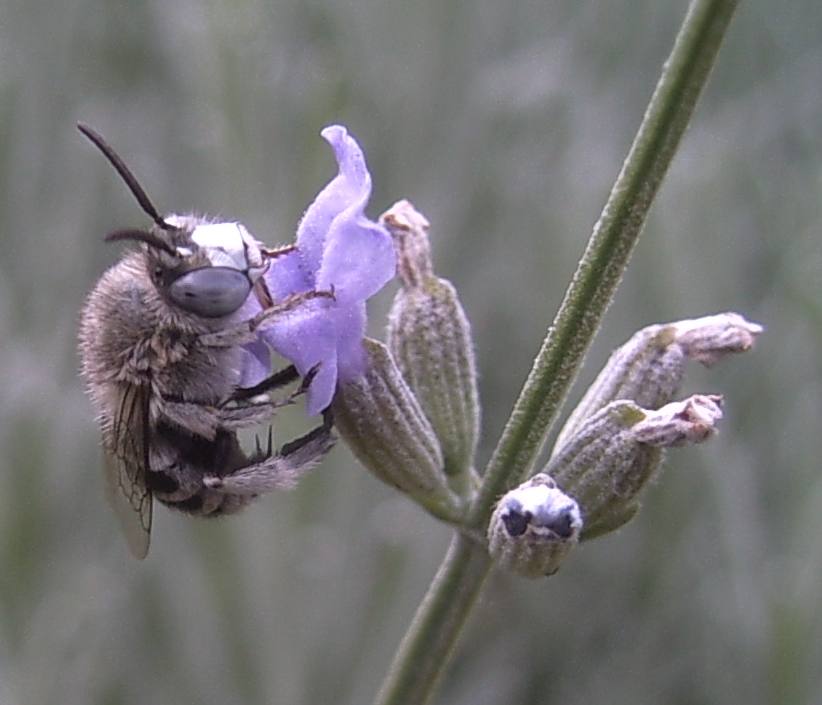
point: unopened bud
(533, 528)
(648, 369)
(710, 338)
(381, 420)
(430, 339)
(692, 420)
(409, 228)
(616, 452)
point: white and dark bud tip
(533, 528)
(430, 338)
(542, 509)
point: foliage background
(506, 124)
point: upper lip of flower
(338, 249)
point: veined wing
(126, 446)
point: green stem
(439, 618)
(430, 640)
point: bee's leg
(200, 419)
(246, 332)
(279, 379)
(250, 413)
(205, 420)
(268, 471)
(275, 381)
(250, 406)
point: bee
(160, 342)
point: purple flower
(338, 249)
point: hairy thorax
(130, 335)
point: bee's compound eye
(210, 292)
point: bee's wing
(126, 465)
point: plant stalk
(427, 646)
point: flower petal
(350, 328)
(359, 257)
(338, 248)
(255, 363)
(307, 337)
(286, 275)
(352, 184)
(321, 390)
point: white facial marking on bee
(223, 244)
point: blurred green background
(506, 124)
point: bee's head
(202, 267)
(208, 269)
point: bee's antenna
(141, 236)
(126, 175)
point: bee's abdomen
(179, 484)
(199, 501)
(191, 505)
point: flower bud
(533, 528)
(430, 339)
(710, 338)
(381, 421)
(692, 420)
(614, 454)
(649, 368)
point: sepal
(381, 420)
(648, 369)
(430, 338)
(617, 451)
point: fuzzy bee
(161, 339)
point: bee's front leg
(246, 332)
(279, 379)
(268, 471)
(250, 406)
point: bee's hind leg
(268, 471)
